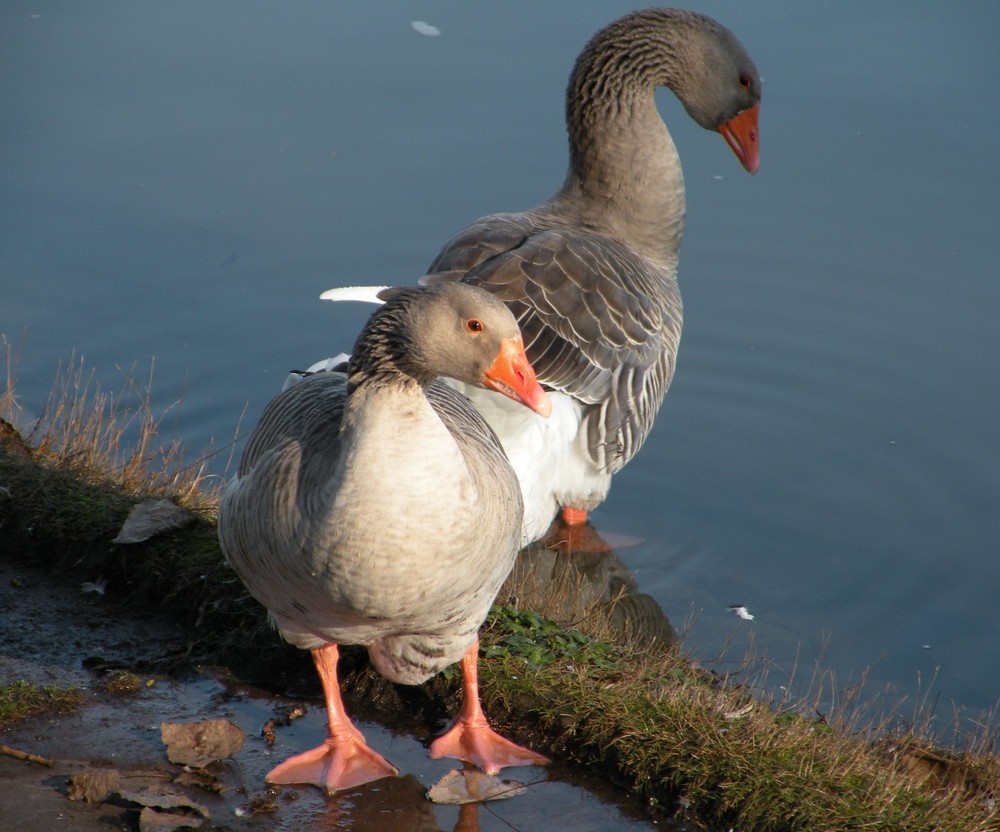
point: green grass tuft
(21, 700)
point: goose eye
(745, 81)
(474, 325)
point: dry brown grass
(113, 435)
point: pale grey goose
(378, 508)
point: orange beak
(741, 134)
(512, 374)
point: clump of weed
(120, 683)
(540, 641)
(22, 700)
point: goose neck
(624, 176)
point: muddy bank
(55, 634)
(596, 691)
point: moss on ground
(21, 700)
(685, 741)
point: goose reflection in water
(590, 588)
(392, 803)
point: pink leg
(470, 738)
(344, 759)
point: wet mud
(54, 631)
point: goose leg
(344, 759)
(470, 738)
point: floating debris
(469, 785)
(288, 713)
(95, 785)
(97, 587)
(17, 754)
(165, 805)
(166, 809)
(163, 796)
(201, 780)
(425, 29)
(200, 743)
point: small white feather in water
(425, 29)
(364, 294)
(741, 612)
(96, 587)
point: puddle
(49, 628)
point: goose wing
(600, 323)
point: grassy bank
(685, 740)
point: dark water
(181, 181)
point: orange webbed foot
(471, 739)
(339, 763)
(483, 747)
(344, 760)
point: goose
(378, 508)
(591, 273)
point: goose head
(720, 87)
(696, 57)
(454, 330)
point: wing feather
(599, 323)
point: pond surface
(181, 181)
